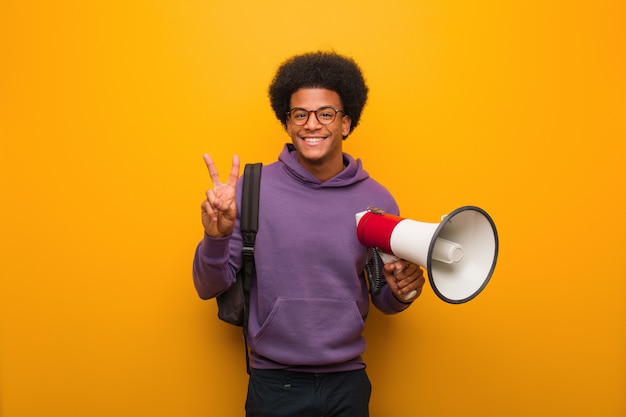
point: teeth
(313, 140)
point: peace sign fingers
(219, 210)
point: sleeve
(212, 270)
(386, 302)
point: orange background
(107, 106)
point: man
(309, 299)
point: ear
(346, 122)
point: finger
(409, 269)
(234, 172)
(417, 284)
(404, 283)
(412, 291)
(398, 269)
(208, 209)
(393, 267)
(215, 176)
(213, 200)
(410, 274)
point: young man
(309, 299)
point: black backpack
(233, 304)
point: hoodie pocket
(311, 332)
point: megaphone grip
(410, 295)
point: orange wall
(106, 108)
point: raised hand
(219, 209)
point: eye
(326, 114)
(299, 114)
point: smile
(313, 140)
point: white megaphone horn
(459, 254)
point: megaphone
(459, 254)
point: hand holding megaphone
(459, 253)
(401, 275)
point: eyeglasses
(325, 115)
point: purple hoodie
(309, 301)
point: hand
(405, 279)
(219, 210)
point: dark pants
(279, 393)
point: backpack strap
(249, 228)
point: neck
(323, 170)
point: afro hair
(327, 70)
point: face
(319, 146)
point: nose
(312, 122)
